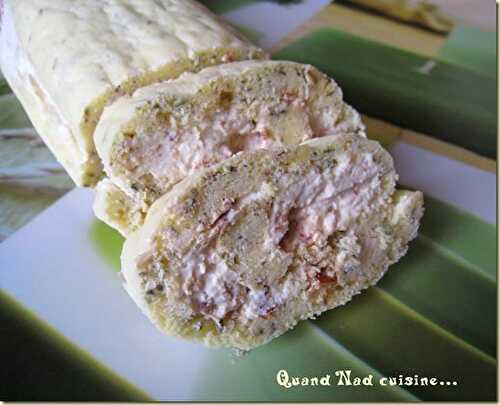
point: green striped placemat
(449, 102)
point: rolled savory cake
(164, 132)
(236, 254)
(67, 59)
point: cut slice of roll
(65, 60)
(237, 254)
(117, 209)
(164, 132)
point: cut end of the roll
(167, 131)
(239, 253)
(92, 170)
(117, 209)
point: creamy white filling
(306, 214)
(198, 141)
(261, 302)
(213, 288)
(186, 149)
(216, 290)
(320, 203)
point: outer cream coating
(173, 225)
(66, 59)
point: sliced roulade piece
(150, 141)
(67, 59)
(239, 253)
(117, 209)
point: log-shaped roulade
(67, 59)
(164, 132)
(237, 254)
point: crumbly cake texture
(238, 253)
(117, 209)
(100, 50)
(164, 132)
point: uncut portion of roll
(153, 139)
(66, 60)
(239, 253)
